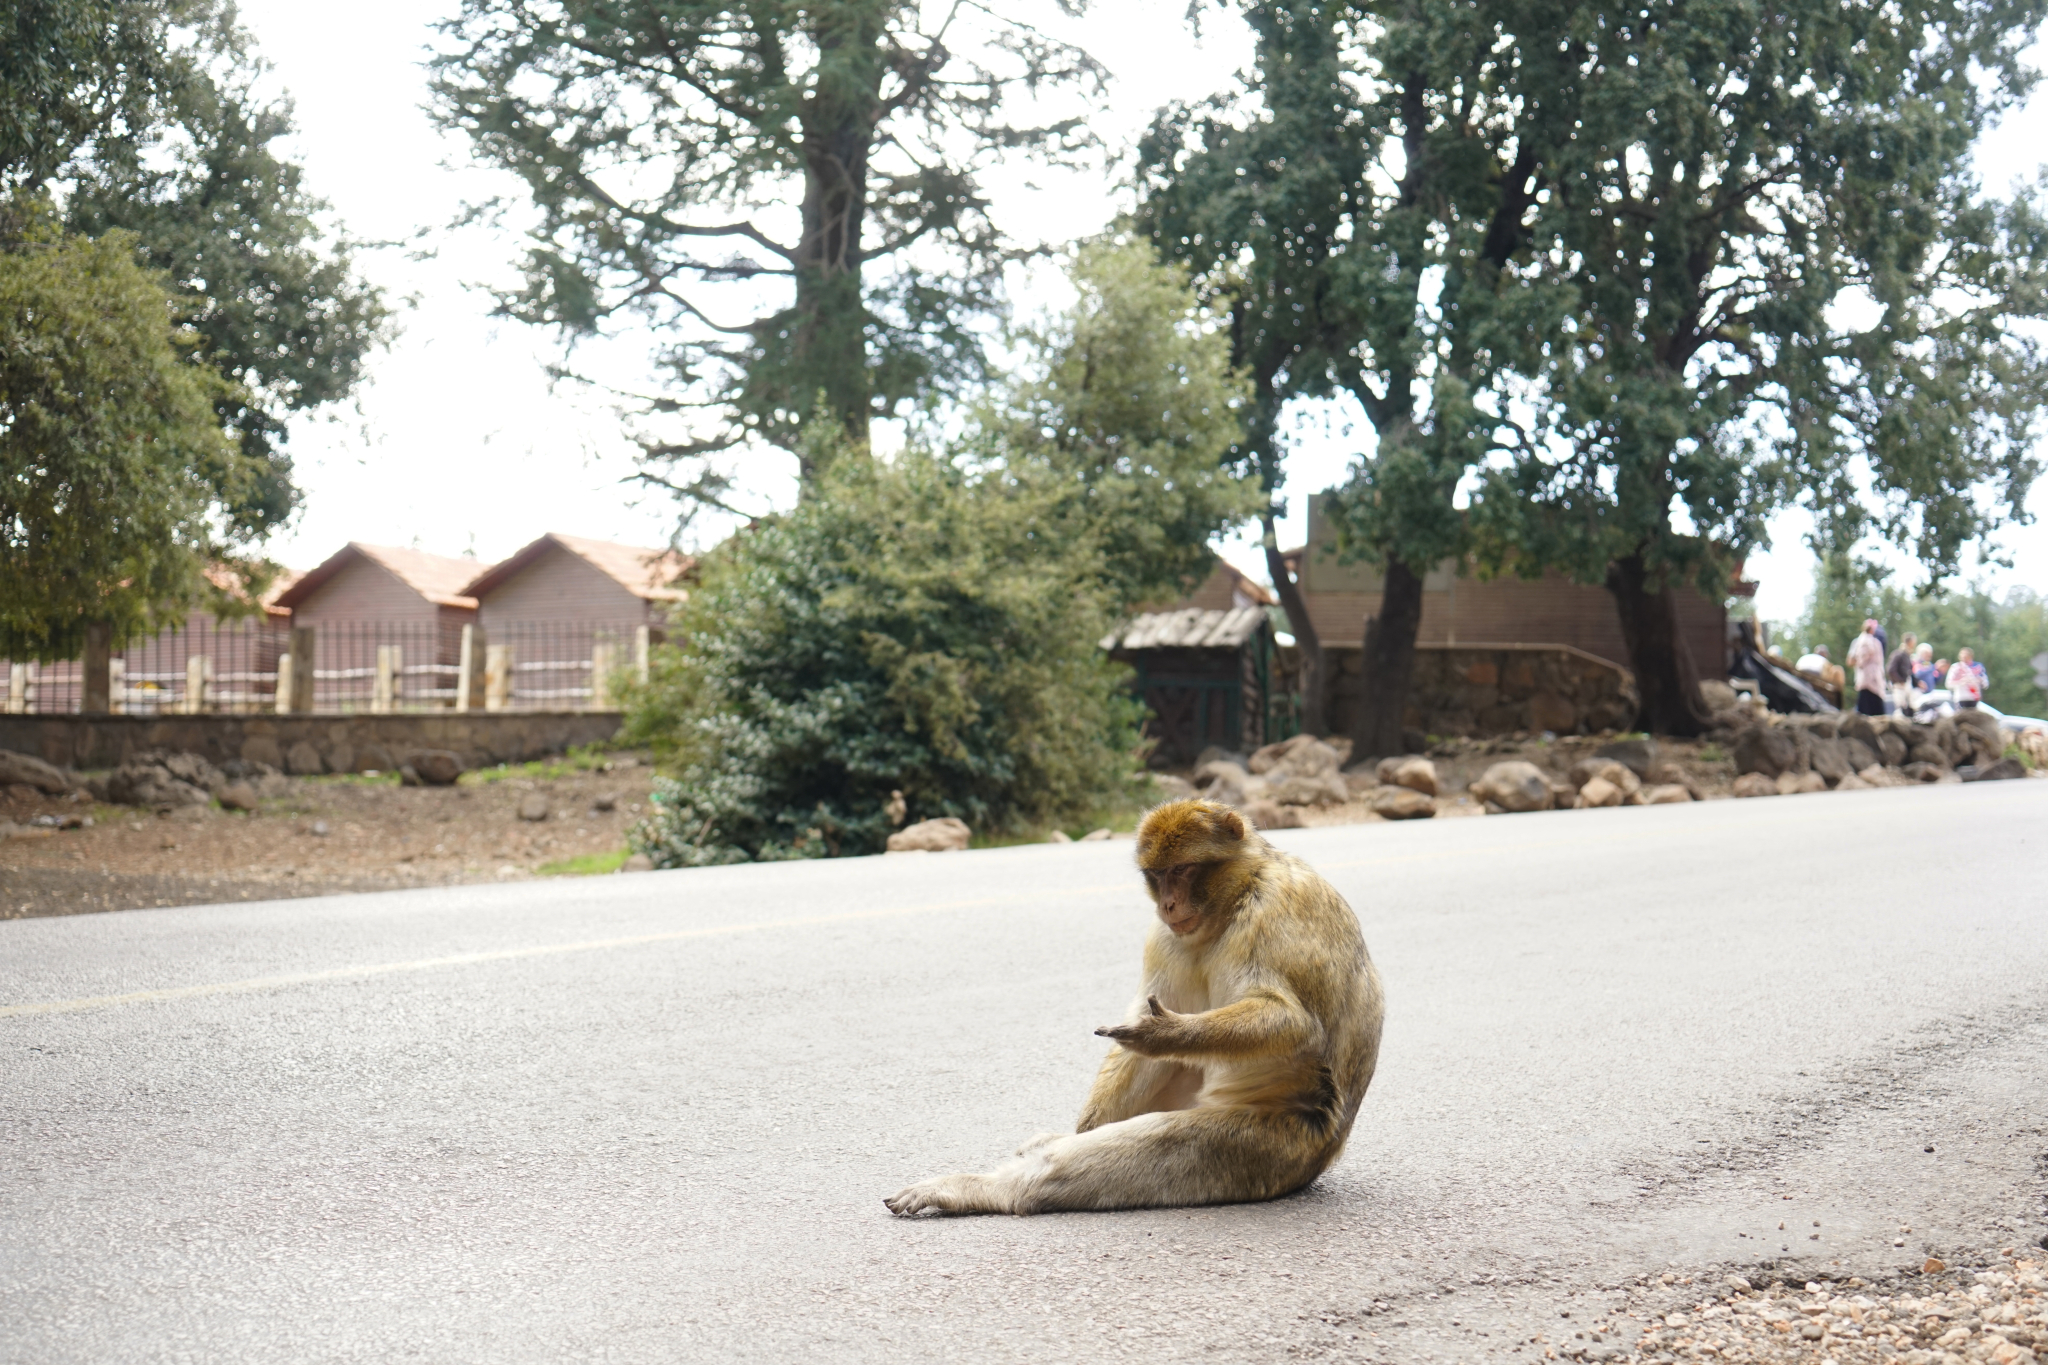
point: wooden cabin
(366, 597)
(572, 578)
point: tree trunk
(1665, 674)
(1314, 680)
(1389, 663)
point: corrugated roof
(438, 578)
(645, 572)
(1192, 628)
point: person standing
(1898, 671)
(1866, 657)
(1925, 678)
(1967, 680)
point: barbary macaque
(1240, 1067)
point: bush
(910, 626)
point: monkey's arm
(1266, 1021)
(1122, 1088)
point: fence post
(17, 689)
(465, 664)
(281, 691)
(299, 696)
(497, 677)
(603, 659)
(117, 686)
(198, 682)
(640, 645)
(97, 685)
(390, 659)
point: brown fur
(1240, 1067)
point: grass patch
(2013, 750)
(583, 759)
(382, 778)
(587, 864)
(1711, 753)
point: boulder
(150, 784)
(1598, 791)
(1361, 779)
(1764, 749)
(1515, 785)
(1097, 836)
(1414, 772)
(1856, 725)
(1219, 770)
(1852, 783)
(1756, 784)
(2004, 770)
(1984, 733)
(1217, 754)
(1877, 775)
(1267, 815)
(1891, 749)
(31, 771)
(1171, 788)
(942, 835)
(303, 760)
(534, 806)
(195, 770)
(1639, 756)
(1718, 695)
(375, 758)
(1799, 784)
(1059, 836)
(1402, 803)
(1861, 753)
(237, 796)
(262, 749)
(1924, 772)
(1290, 789)
(1611, 770)
(1830, 758)
(436, 767)
(1304, 755)
(1666, 794)
(408, 776)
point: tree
(657, 139)
(116, 475)
(148, 125)
(1732, 189)
(1363, 222)
(1123, 418)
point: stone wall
(1498, 689)
(306, 744)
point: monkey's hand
(1156, 1033)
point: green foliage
(1784, 286)
(151, 127)
(907, 628)
(586, 864)
(2006, 633)
(116, 477)
(1124, 421)
(650, 136)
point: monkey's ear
(1230, 825)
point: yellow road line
(286, 979)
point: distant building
(570, 578)
(363, 597)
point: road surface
(652, 1118)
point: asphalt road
(652, 1118)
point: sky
(459, 444)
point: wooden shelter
(1207, 674)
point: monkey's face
(1173, 888)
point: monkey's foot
(954, 1194)
(913, 1199)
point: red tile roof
(438, 578)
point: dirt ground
(325, 834)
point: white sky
(459, 444)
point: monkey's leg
(1160, 1160)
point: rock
(272, 785)
(639, 862)
(1303, 755)
(341, 759)
(1718, 695)
(31, 771)
(1639, 756)
(318, 829)
(942, 835)
(1861, 753)
(1877, 775)
(1830, 758)
(1983, 731)
(1361, 779)
(375, 758)
(1171, 788)
(1799, 784)
(237, 796)
(1764, 749)
(1548, 711)
(1891, 749)
(1342, 745)
(1932, 1267)
(409, 776)
(1267, 815)
(150, 784)
(1402, 803)
(1856, 725)
(436, 767)
(195, 770)
(1923, 772)
(1217, 770)
(896, 809)
(1059, 836)
(1414, 773)
(533, 806)
(1295, 790)
(2004, 770)
(1666, 794)
(1215, 754)
(1853, 783)
(1096, 836)
(1514, 785)
(1598, 791)
(1756, 784)
(604, 803)
(303, 760)
(1611, 770)
(262, 749)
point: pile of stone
(174, 781)
(1787, 755)
(26, 770)
(1625, 773)
(1276, 782)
